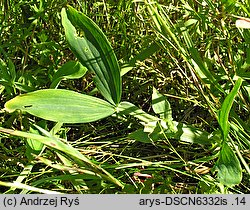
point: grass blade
(226, 107)
(55, 143)
(27, 187)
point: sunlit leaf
(70, 70)
(61, 106)
(161, 105)
(181, 132)
(33, 146)
(93, 50)
(140, 135)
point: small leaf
(188, 133)
(61, 106)
(141, 56)
(228, 166)
(33, 145)
(226, 107)
(150, 134)
(161, 105)
(70, 70)
(140, 136)
(157, 133)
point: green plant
(179, 37)
(64, 106)
(94, 52)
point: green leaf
(161, 105)
(7, 72)
(226, 107)
(198, 63)
(151, 133)
(61, 106)
(192, 134)
(70, 70)
(228, 166)
(127, 108)
(33, 146)
(140, 135)
(228, 2)
(93, 51)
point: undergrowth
(189, 51)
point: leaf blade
(61, 106)
(228, 166)
(94, 51)
(69, 70)
(226, 107)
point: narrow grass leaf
(61, 106)
(85, 173)
(18, 185)
(187, 50)
(94, 51)
(57, 144)
(198, 63)
(226, 107)
(23, 175)
(145, 53)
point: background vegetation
(190, 51)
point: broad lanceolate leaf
(228, 166)
(61, 106)
(94, 51)
(226, 107)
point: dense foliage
(124, 96)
